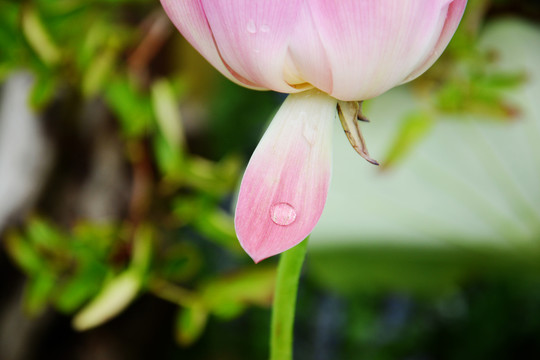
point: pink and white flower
(328, 55)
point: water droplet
(251, 28)
(265, 28)
(282, 213)
(309, 132)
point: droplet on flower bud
(251, 27)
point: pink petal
(284, 188)
(252, 37)
(307, 57)
(453, 17)
(374, 45)
(189, 17)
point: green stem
(288, 275)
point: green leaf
(188, 208)
(212, 178)
(24, 254)
(227, 296)
(98, 71)
(43, 235)
(452, 97)
(80, 287)
(93, 41)
(218, 225)
(170, 160)
(142, 250)
(179, 262)
(10, 37)
(131, 106)
(38, 291)
(94, 239)
(190, 324)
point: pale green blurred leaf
(167, 114)
(113, 298)
(39, 37)
(413, 128)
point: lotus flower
(329, 55)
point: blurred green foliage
(107, 50)
(177, 240)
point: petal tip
(257, 259)
(260, 253)
(256, 248)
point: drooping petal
(453, 17)
(252, 37)
(373, 45)
(189, 18)
(284, 188)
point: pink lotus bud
(346, 50)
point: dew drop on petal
(282, 214)
(309, 132)
(265, 28)
(251, 28)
